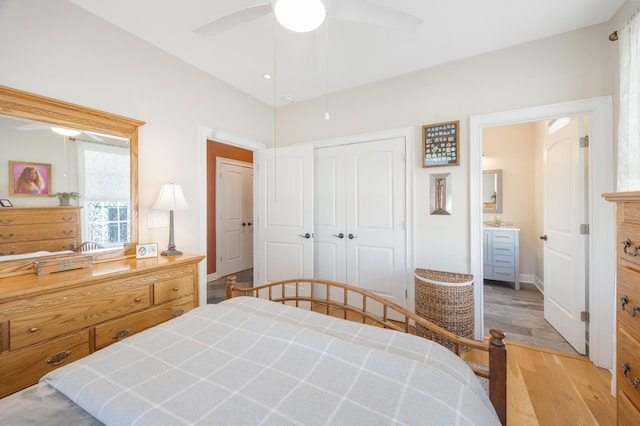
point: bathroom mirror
(492, 191)
(33, 114)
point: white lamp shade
(300, 16)
(170, 198)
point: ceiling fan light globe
(65, 132)
(300, 16)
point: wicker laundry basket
(445, 299)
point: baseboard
(212, 277)
(539, 284)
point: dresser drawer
(41, 326)
(628, 354)
(173, 289)
(42, 245)
(629, 287)
(37, 216)
(504, 274)
(502, 261)
(628, 414)
(500, 249)
(116, 330)
(627, 241)
(24, 368)
(38, 232)
(506, 237)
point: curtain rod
(614, 35)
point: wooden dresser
(628, 306)
(30, 229)
(50, 320)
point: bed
(248, 360)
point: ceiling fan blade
(94, 137)
(370, 13)
(234, 19)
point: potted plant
(65, 197)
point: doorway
(526, 210)
(601, 242)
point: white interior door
(360, 214)
(284, 226)
(565, 202)
(234, 204)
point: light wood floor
(544, 386)
(547, 387)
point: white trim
(601, 257)
(204, 134)
(408, 134)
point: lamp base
(171, 251)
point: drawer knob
(6, 221)
(67, 219)
(120, 335)
(6, 237)
(58, 358)
(627, 368)
(627, 243)
(177, 313)
(175, 289)
(69, 232)
(138, 299)
(33, 329)
(625, 301)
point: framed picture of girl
(29, 179)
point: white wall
(55, 49)
(570, 66)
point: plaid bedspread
(250, 361)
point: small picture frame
(146, 250)
(440, 145)
(27, 178)
(441, 200)
(5, 203)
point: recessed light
(266, 76)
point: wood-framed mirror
(48, 111)
(492, 191)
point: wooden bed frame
(355, 304)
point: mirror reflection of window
(104, 181)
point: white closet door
(330, 248)
(235, 216)
(375, 205)
(360, 216)
(284, 244)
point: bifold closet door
(359, 194)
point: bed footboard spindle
(498, 373)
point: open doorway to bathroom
(514, 298)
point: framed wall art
(28, 178)
(440, 144)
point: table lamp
(170, 198)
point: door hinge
(584, 142)
(584, 229)
(406, 293)
(584, 316)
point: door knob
(307, 235)
(544, 237)
(244, 224)
(351, 236)
(340, 235)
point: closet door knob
(307, 235)
(544, 238)
(351, 236)
(340, 235)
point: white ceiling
(359, 53)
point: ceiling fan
(361, 11)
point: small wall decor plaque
(146, 250)
(441, 194)
(440, 144)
